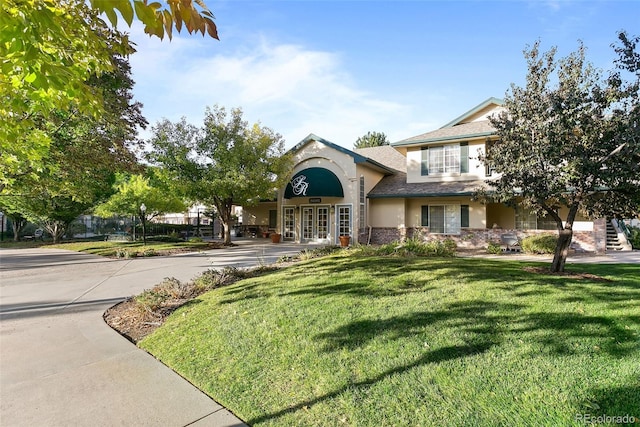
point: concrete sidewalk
(61, 365)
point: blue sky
(341, 68)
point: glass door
(288, 223)
(307, 223)
(343, 220)
(323, 223)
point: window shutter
(424, 220)
(464, 216)
(424, 163)
(464, 157)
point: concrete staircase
(616, 241)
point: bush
(151, 300)
(540, 244)
(125, 253)
(149, 252)
(414, 246)
(635, 237)
(196, 239)
(175, 289)
(494, 248)
(168, 239)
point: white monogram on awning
(299, 185)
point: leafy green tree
(372, 139)
(17, 220)
(51, 49)
(143, 197)
(84, 154)
(226, 163)
(570, 138)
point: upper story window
(445, 159)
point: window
(343, 220)
(528, 220)
(488, 169)
(445, 219)
(273, 218)
(452, 158)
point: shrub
(415, 246)
(494, 248)
(151, 300)
(174, 288)
(125, 253)
(196, 239)
(540, 244)
(211, 279)
(149, 252)
(173, 238)
(635, 237)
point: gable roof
(386, 155)
(462, 127)
(357, 158)
(465, 116)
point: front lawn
(134, 249)
(382, 341)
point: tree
(84, 154)
(570, 138)
(372, 139)
(50, 50)
(225, 163)
(144, 197)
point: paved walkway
(61, 365)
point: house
(325, 197)
(423, 184)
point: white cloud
(293, 90)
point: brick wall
(469, 238)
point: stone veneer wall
(470, 238)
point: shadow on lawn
(474, 317)
(616, 401)
(482, 325)
(441, 355)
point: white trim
(337, 219)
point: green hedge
(635, 237)
(540, 244)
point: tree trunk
(17, 223)
(224, 207)
(562, 250)
(56, 229)
(226, 232)
(16, 230)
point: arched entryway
(313, 194)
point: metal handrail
(623, 227)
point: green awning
(314, 182)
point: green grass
(380, 341)
(111, 249)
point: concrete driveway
(61, 365)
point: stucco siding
(387, 213)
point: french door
(315, 223)
(289, 223)
(343, 220)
